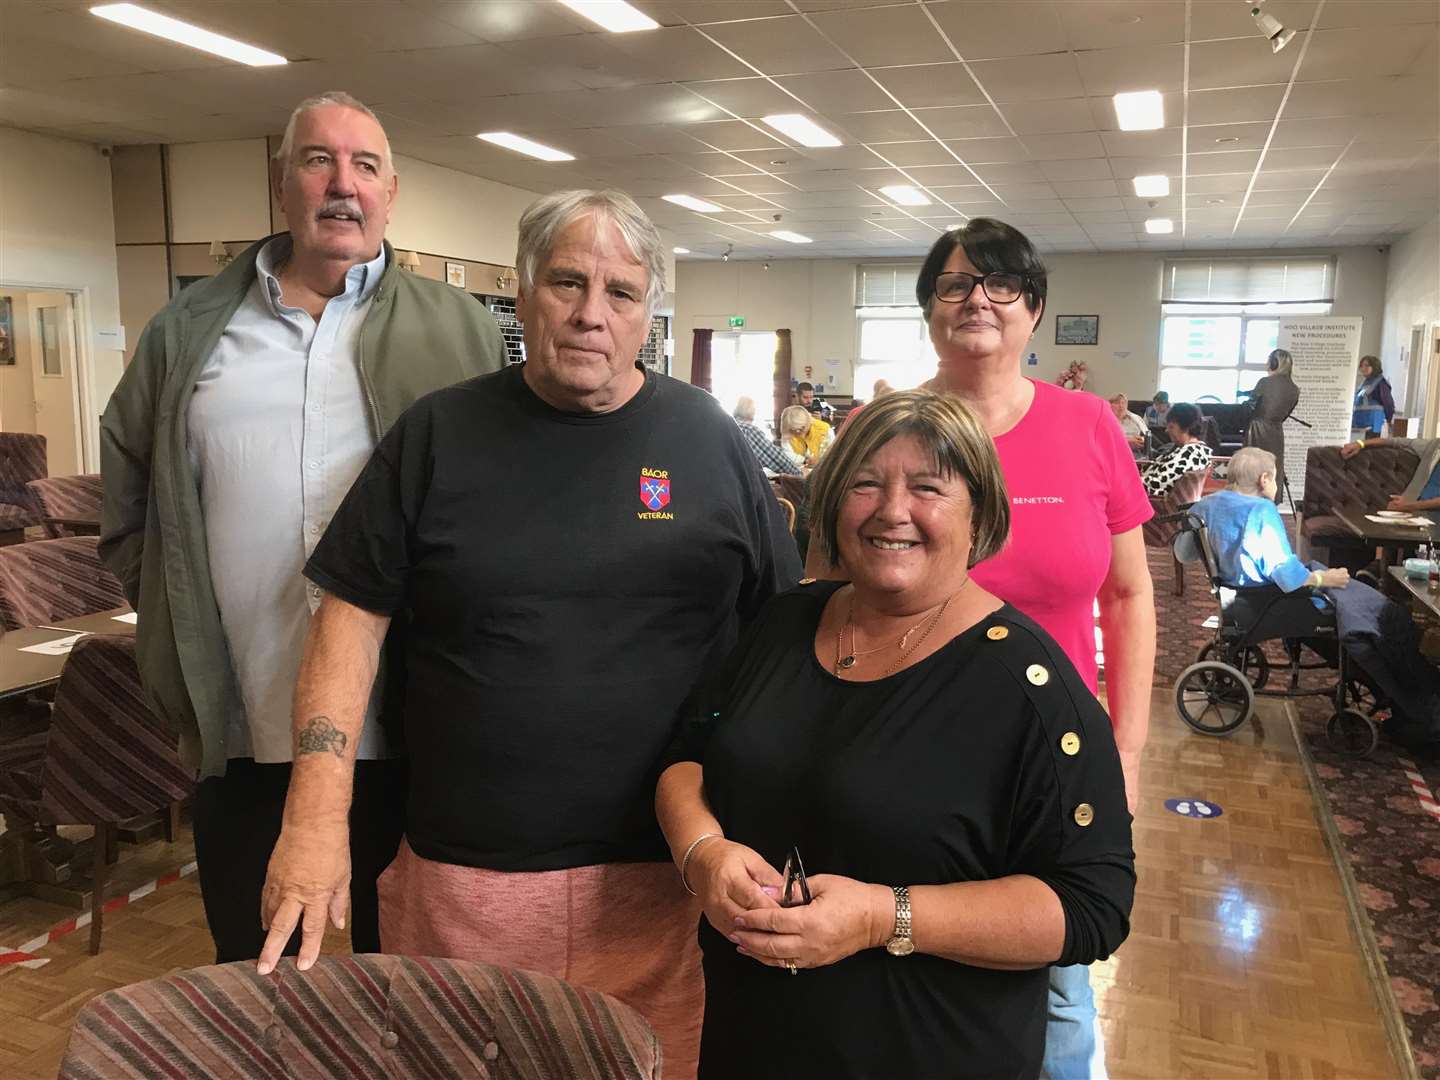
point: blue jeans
(1074, 1049)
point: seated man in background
(1155, 415)
(1422, 494)
(770, 456)
(817, 406)
(1133, 427)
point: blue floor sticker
(1193, 808)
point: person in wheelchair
(1253, 556)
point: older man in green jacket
(252, 402)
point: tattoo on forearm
(320, 735)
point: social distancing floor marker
(1421, 789)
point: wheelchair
(1216, 694)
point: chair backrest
(1188, 487)
(360, 1016)
(788, 508)
(108, 757)
(1362, 483)
(68, 496)
(22, 459)
(47, 580)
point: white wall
(816, 300)
(57, 229)
(219, 191)
(1412, 295)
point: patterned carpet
(1390, 838)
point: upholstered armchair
(1361, 484)
(360, 1017)
(46, 580)
(74, 498)
(22, 459)
(1160, 530)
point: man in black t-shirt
(570, 542)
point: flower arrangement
(1074, 376)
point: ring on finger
(792, 967)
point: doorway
(742, 364)
(39, 371)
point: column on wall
(782, 375)
(700, 359)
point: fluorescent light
(905, 195)
(522, 145)
(614, 15)
(681, 251)
(802, 129)
(692, 203)
(152, 22)
(1143, 110)
(1159, 226)
(1152, 187)
(790, 237)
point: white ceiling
(993, 107)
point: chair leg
(104, 840)
(1179, 576)
(172, 822)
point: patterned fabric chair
(361, 1017)
(22, 459)
(1160, 530)
(1361, 484)
(73, 497)
(54, 579)
(106, 758)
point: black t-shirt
(953, 770)
(565, 579)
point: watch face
(900, 946)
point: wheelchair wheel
(1351, 733)
(1213, 698)
(1254, 664)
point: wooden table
(1418, 588)
(22, 672)
(1393, 538)
(77, 526)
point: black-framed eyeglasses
(796, 892)
(1002, 287)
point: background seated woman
(931, 753)
(1188, 452)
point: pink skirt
(627, 929)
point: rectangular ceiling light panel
(152, 22)
(614, 15)
(1143, 110)
(802, 129)
(521, 145)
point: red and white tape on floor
(23, 956)
(1421, 789)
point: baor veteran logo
(655, 495)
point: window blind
(886, 285)
(1250, 281)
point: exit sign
(737, 321)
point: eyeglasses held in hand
(794, 874)
(1001, 287)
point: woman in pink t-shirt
(1077, 505)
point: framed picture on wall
(1077, 329)
(455, 274)
(7, 332)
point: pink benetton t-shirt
(1073, 485)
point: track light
(1271, 27)
(725, 255)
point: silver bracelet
(685, 862)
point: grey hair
(744, 409)
(795, 420)
(321, 101)
(1280, 362)
(1247, 466)
(549, 215)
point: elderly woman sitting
(932, 753)
(1185, 424)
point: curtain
(700, 359)
(782, 375)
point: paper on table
(57, 647)
(1413, 519)
(129, 616)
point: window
(894, 341)
(1221, 319)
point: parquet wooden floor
(1241, 961)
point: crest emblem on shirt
(655, 488)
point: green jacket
(418, 335)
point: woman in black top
(929, 752)
(1271, 403)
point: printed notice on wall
(1325, 352)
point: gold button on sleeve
(1070, 743)
(997, 633)
(807, 581)
(1037, 675)
(1084, 814)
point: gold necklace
(845, 661)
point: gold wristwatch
(900, 943)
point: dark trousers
(237, 821)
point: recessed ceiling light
(802, 129)
(1228, 139)
(1158, 226)
(790, 237)
(521, 145)
(692, 203)
(779, 161)
(1152, 187)
(614, 15)
(905, 195)
(152, 22)
(1142, 110)
(681, 251)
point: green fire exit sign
(737, 321)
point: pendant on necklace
(847, 662)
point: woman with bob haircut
(1187, 452)
(1271, 403)
(930, 754)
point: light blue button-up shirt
(279, 426)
